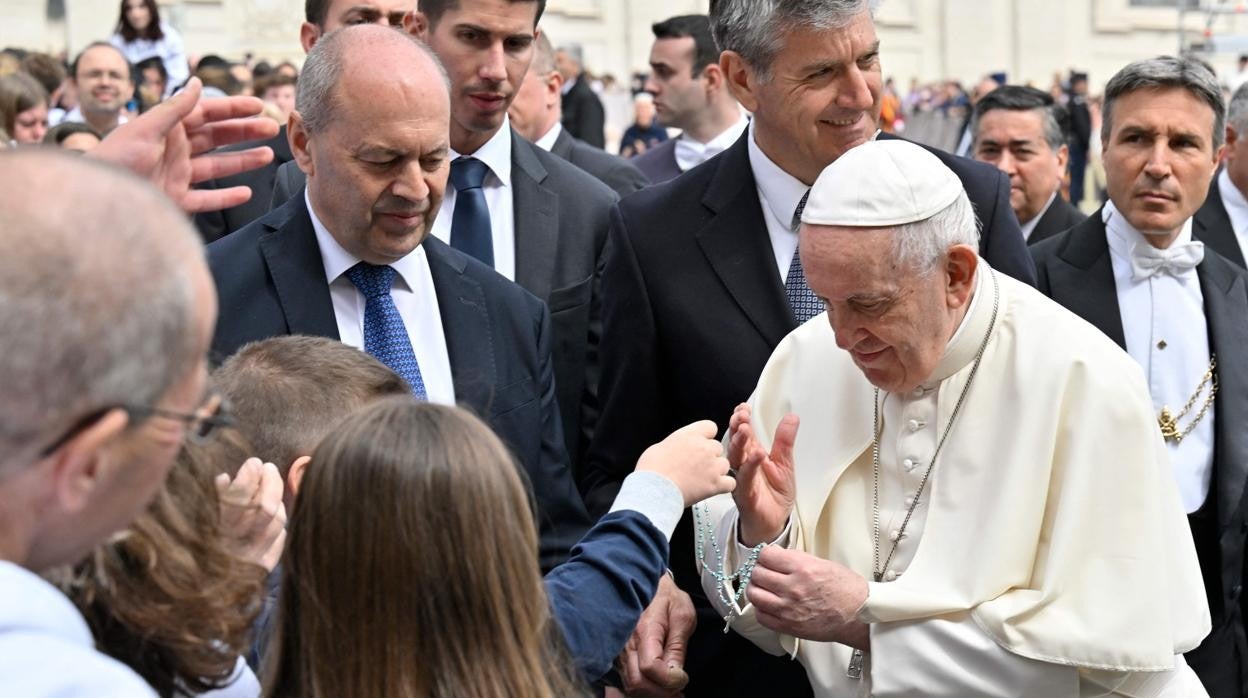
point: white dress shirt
(548, 141)
(414, 296)
(779, 192)
(1236, 209)
(1030, 225)
(690, 153)
(496, 154)
(1163, 321)
(75, 116)
(46, 648)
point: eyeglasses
(213, 414)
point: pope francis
(979, 501)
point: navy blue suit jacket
(271, 281)
(597, 596)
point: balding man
(536, 113)
(583, 114)
(107, 309)
(101, 76)
(351, 258)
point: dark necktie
(470, 226)
(385, 336)
(802, 300)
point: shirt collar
(1030, 225)
(547, 142)
(1234, 201)
(496, 153)
(690, 153)
(337, 260)
(568, 85)
(1122, 236)
(781, 191)
(964, 345)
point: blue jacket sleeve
(598, 595)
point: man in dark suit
(546, 226)
(351, 259)
(703, 280)
(1137, 271)
(536, 112)
(583, 115)
(691, 94)
(1224, 215)
(1023, 132)
(322, 17)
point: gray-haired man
(1023, 132)
(107, 311)
(1224, 214)
(1137, 270)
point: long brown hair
(152, 31)
(411, 567)
(168, 598)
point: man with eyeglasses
(106, 314)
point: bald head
(106, 312)
(350, 61)
(95, 298)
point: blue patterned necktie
(385, 336)
(802, 300)
(470, 224)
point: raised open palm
(765, 481)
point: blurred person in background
(102, 78)
(646, 131)
(536, 114)
(691, 94)
(72, 135)
(583, 114)
(50, 72)
(140, 35)
(23, 108)
(277, 89)
(153, 80)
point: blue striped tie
(385, 336)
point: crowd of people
(382, 377)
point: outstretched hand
(170, 146)
(691, 459)
(765, 481)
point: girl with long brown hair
(411, 563)
(141, 35)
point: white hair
(922, 244)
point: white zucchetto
(881, 183)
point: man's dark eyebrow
(833, 65)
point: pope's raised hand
(693, 460)
(765, 481)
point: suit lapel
(466, 324)
(736, 243)
(1212, 225)
(294, 261)
(1084, 284)
(1226, 311)
(563, 145)
(536, 219)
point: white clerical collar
(547, 142)
(1122, 236)
(1030, 225)
(496, 153)
(1235, 203)
(337, 260)
(781, 191)
(690, 153)
(964, 345)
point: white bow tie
(1176, 260)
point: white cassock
(1049, 554)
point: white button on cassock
(909, 502)
(916, 425)
(890, 575)
(910, 464)
(894, 535)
